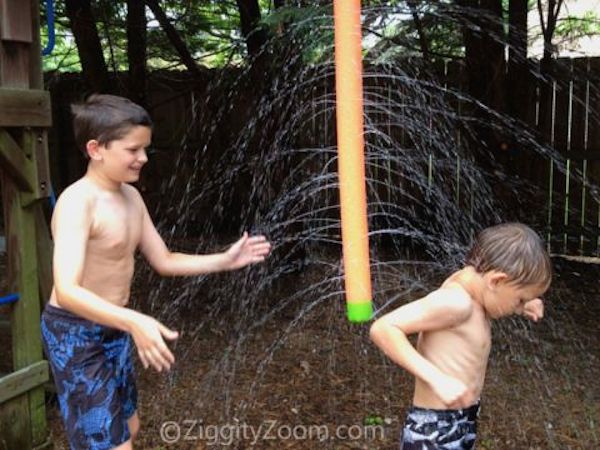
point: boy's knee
(125, 446)
(134, 426)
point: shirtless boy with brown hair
(98, 224)
(506, 272)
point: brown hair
(106, 118)
(512, 248)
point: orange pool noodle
(351, 163)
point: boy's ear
(91, 148)
(495, 278)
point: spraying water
(271, 341)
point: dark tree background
(96, 37)
(115, 46)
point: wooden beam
(16, 64)
(25, 319)
(15, 20)
(14, 162)
(23, 380)
(29, 424)
(25, 108)
(583, 259)
(15, 433)
(36, 77)
(34, 145)
(45, 249)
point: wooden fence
(551, 151)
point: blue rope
(10, 298)
(50, 21)
(52, 199)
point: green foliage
(310, 28)
(573, 27)
(395, 34)
(64, 56)
(211, 31)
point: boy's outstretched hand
(248, 250)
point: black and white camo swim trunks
(440, 429)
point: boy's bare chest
(474, 335)
(116, 228)
(469, 342)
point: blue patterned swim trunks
(94, 377)
(440, 429)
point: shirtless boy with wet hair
(98, 224)
(506, 272)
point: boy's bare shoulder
(134, 197)
(74, 208)
(132, 193)
(454, 298)
(76, 196)
(131, 190)
(83, 192)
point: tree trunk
(517, 77)
(484, 51)
(255, 36)
(423, 41)
(520, 101)
(83, 26)
(173, 35)
(548, 28)
(485, 65)
(136, 50)
(547, 68)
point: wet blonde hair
(516, 250)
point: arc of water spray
(351, 160)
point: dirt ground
(325, 386)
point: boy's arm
(72, 222)
(247, 250)
(440, 309)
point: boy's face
(504, 297)
(123, 159)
